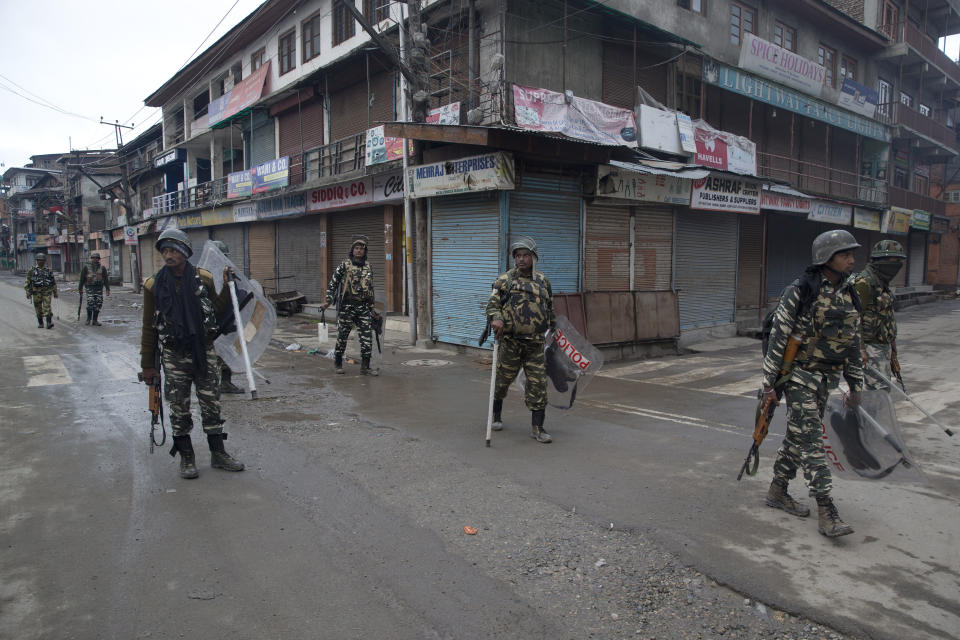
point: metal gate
(548, 210)
(198, 238)
(148, 256)
(465, 249)
(749, 263)
(917, 258)
(653, 248)
(606, 256)
(706, 268)
(299, 265)
(367, 222)
(261, 247)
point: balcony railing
(818, 179)
(912, 200)
(933, 126)
(340, 156)
(905, 31)
(202, 195)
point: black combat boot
(49, 321)
(219, 458)
(536, 427)
(39, 322)
(365, 369)
(497, 424)
(338, 362)
(778, 498)
(226, 385)
(188, 461)
(830, 523)
(95, 322)
(89, 316)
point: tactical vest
(828, 329)
(357, 283)
(877, 323)
(526, 305)
(41, 278)
(93, 280)
(164, 334)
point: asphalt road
(348, 522)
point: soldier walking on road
(351, 287)
(520, 312)
(226, 375)
(820, 312)
(94, 278)
(40, 285)
(180, 313)
(878, 326)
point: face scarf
(887, 270)
(182, 311)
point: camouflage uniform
(829, 331)
(356, 305)
(878, 326)
(525, 305)
(41, 285)
(93, 281)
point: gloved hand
(853, 399)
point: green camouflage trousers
(94, 299)
(41, 302)
(179, 373)
(878, 357)
(348, 316)
(803, 445)
(528, 354)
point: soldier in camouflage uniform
(820, 310)
(352, 287)
(878, 326)
(180, 312)
(40, 285)
(94, 278)
(520, 312)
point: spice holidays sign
(781, 65)
(724, 193)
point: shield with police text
(571, 363)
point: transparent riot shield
(867, 442)
(571, 363)
(257, 313)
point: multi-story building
(34, 202)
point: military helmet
(523, 242)
(888, 249)
(828, 243)
(361, 240)
(175, 239)
(221, 246)
(94, 255)
(40, 256)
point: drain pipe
(407, 205)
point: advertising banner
(240, 184)
(896, 220)
(725, 151)
(544, 110)
(345, 194)
(246, 212)
(774, 201)
(781, 65)
(380, 148)
(830, 212)
(476, 173)
(282, 206)
(130, 235)
(388, 187)
(273, 174)
(725, 193)
(212, 217)
(187, 220)
(866, 219)
(616, 182)
(920, 220)
(858, 98)
(243, 94)
(446, 114)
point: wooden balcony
(910, 200)
(932, 127)
(818, 179)
(906, 33)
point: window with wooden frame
(784, 36)
(827, 58)
(924, 110)
(891, 20)
(376, 10)
(697, 6)
(848, 68)
(743, 19)
(258, 58)
(688, 94)
(344, 26)
(884, 96)
(287, 51)
(310, 32)
(921, 185)
(906, 99)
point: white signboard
(388, 186)
(345, 194)
(725, 193)
(545, 110)
(783, 202)
(830, 212)
(866, 219)
(447, 114)
(614, 182)
(244, 212)
(130, 235)
(780, 65)
(658, 129)
(685, 127)
(476, 173)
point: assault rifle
(155, 404)
(766, 407)
(80, 304)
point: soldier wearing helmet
(520, 312)
(41, 285)
(94, 277)
(819, 312)
(877, 324)
(180, 311)
(351, 288)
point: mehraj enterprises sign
(736, 81)
(476, 173)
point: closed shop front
(547, 209)
(706, 268)
(606, 259)
(299, 263)
(263, 139)
(232, 236)
(789, 242)
(118, 269)
(126, 257)
(653, 248)
(261, 255)
(465, 248)
(198, 238)
(367, 222)
(148, 256)
(916, 257)
(300, 128)
(751, 304)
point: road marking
(677, 418)
(746, 387)
(695, 375)
(45, 370)
(119, 366)
(652, 365)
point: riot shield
(257, 314)
(571, 363)
(867, 443)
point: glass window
(924, 110)
(848, 68)
(344, 26)
(310, 30)
(884, 96)
(827, 58)
(257, 59)
(287, 51)
(784, 36)
(697, 6)
(906, 98)
(376, 10)
(742, 20)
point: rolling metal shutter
(350, 111)
(706, 268)
(548, 210)
(146, 254)
(263, 140)
(300, 129)
(789, 239)
(618, 81)
(368, 222)
(748, 267)
(298, 258)
(232, 235)
(261, 245)
(607, 248)
(653, 249)
(465, 248)
(198, 237)
(916, 258)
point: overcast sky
(94, 58)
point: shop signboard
(623, 184)
(345, 194)
(281, 206)
(130, 235)
(381, 148)
(725, 193)
(830, 212)
(446, 114)
(774, 201)
(545, 110)
(246, 212)
(858, 98)
(725, 151)
(272, 174)
(866, 219)
(240, 184)
(939, 224)
(221, 215)
(388, 187)
(781, 65)
(920, 220)
(476, 173)
(188, 220)
(896, 221)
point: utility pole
(127, 200)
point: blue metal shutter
(548, 210)
(789, 239)
(465, 247)
(706, 268)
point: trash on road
(294, 346)
(470, 531)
